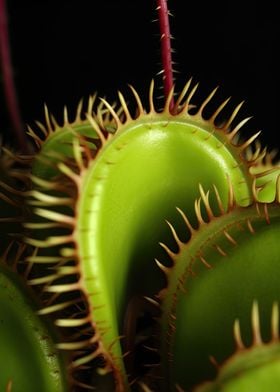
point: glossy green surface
(216, 296)
(123, 196)
(27, 349)
(132, 186)
(255, 369)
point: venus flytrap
(143, 148)
(30, 359)
(94, 197)
(253, 365)
(213, 280)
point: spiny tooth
(87, 358)
(237, 335)
(266, 172)
(275, 322)
(45, 184)
(42, 128)
(35, 137)
(8, 200)
(73, 345)
(63, 288)
(205, 199)
(65, 116)
(55, 216)
(44, 259)
(219, 201)
(169, 100)
(68, 252)
(79, 111)
(208, 99)
(207, 265)
(167, 250)
(70, 173)
(97, 129)
(257, 339)
(186, 220)
(182, 96)
(83, 385)
(230, 238)
(151, 97)
(214, 361)
(250, 226)
(11, 189)
(152, 301)
(237, 128)
(44, 279)
(113, 113)
(152, 349)
(48, 120)
(233, 115)
(165, 269)
(50, 241)
(42, 226)
(220, 250)
(57, 307)
(91, 102)
(186, 105)
(59, 240)
(138, 100)
(197, 208)
(249, 141)
(124, 106)
(218, 111)
(66, 270)
(175, 236)
(77, 153)
(72, 322)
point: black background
(64, 50)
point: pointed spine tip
(228, 123)
(168, 251)
(237, 335)
(96, 128)
(206, 101)
(163, 268)
(48, 119)
(256, 329)
(124, 106)
(205, 199)
(186, 220)
(182, 95)
(113, 113)
(140, 108)
(237, 128)
(198, 213)
(174, 234)
(275, 322)
(248, 142)
(151, 96)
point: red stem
(9, 86)
(165, 40)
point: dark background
(64, 50)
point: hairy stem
(9, 86)
(165, 38)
